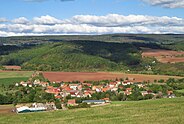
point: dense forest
(118, 52)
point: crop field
(11, 77)
(96, 76)
(161, 111)
(12, 67)
(164, 56)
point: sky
(90, 17)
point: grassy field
(11, 77)
(163, 111)
(8, 81)
(13, 74)
(180, 91)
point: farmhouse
(71, 102)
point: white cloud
(89, 24)
(46, 20)
(167, 3)
(3, 20)
(21, 20)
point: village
(70, 95)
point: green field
(162, 111)
(180, 91)
(8, 81)
(12, 74)
(11, 77)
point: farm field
(12, 67)
(164, 56)
(6, 109)
(96, 76)
(161, 111)
(10, 77)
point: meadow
(161, 111)
(11, 77)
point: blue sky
(47, 17)
(17, 8)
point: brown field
(12, 67)
(96, 76)
(164, 56)
(6, 109)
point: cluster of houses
(82, 90)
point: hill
(167, 111)
(118, 52)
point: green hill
(76, 56)
(162, 111)
(117, 52)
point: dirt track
(96, 76)
(6, 109)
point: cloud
(21, 20)
(3, 20)
(167, 3)
(91, 24)
(46, 20)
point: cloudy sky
(46, 17)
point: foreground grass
(163, 111)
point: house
(44, 84)
(140, 85)
(144, 93)
(112, 84)
(73, 86)
(94, 101)
(128, 89)
(75, 93)
(170, 94)
(114, 89)
(25, 109)
(105, 89)
(54, 90)
(127, 83)
(25, 84)
(87, 94)
(71, 102)
(127, 93)
(36, 82)
(107, 100)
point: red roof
(71, 101)
(128, 89)
(58, 97)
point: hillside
(91, 53)
(162, 111)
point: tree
(58, 104)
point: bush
(81, 105)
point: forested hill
(172, 41)
(76, 56)
(88, 56)
(113, 52)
